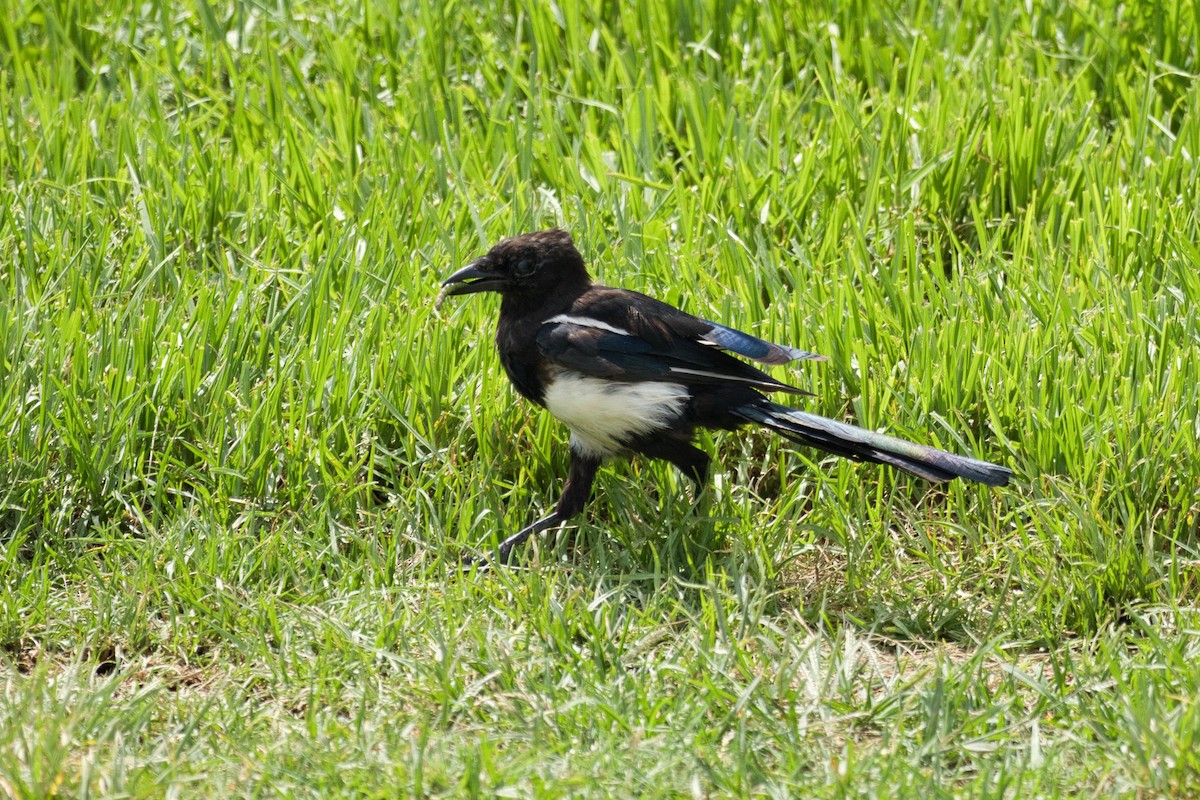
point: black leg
(574, 497)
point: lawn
(242, 457)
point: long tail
(863, 445)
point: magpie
(629, 374)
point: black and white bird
(629, 374)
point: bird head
(532, 265)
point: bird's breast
(604, 415)
(523, 371)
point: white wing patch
(726, 378)
(604, 414)
(587, 322)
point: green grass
(241, 456)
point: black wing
(623, 335)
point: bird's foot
(505, 550)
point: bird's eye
(524, 267)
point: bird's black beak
(474, 277)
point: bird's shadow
(649, 530)
(638, 519)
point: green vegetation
(241, 456)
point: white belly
(603, 414)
